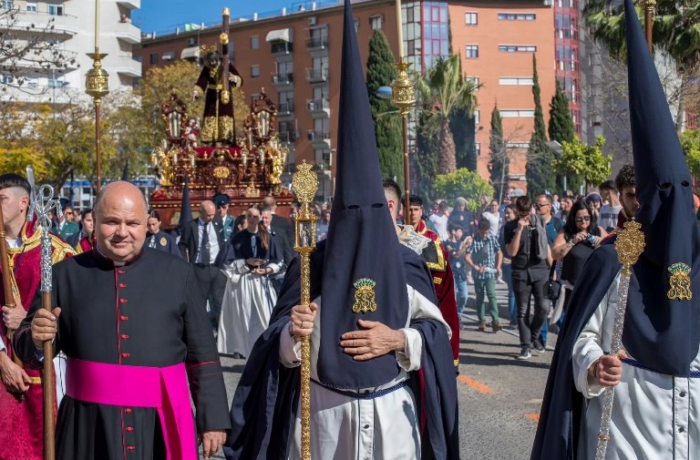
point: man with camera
(527, 244)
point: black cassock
(149, 312)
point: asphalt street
(499, 396)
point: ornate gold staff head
(304, 187)
(629, 245)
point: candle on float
(192, 159)
(400, 25)
(97, 25)
(174, 158)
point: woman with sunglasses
(573, 245)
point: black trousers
(213, 283)
(524, 286)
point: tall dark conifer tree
(539, 157)
(387, 126)
(499, 162)
(562, 129)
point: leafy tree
(424, 161)
(444, 90)
(14, 159)
(387, 126)
(499, 162)
(463, 126)
(690, 141)
(539, 156)
(464, 183)
(583, 160)
(561, 124)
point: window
(518, 145)
(517, 113)
(517, 48)
(32, 7)
(517, 16)
(255, 71)
(473, 80)
(471, 19)
(375, 22)
(477, 148)
(56, 10)
(254, 42)
(472, 51)
(6, 79)
(169, 55)
(6, 4)
(154, 58)
(515, 81)
(477, 117)
(357, 25)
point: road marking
(533, 417)
(480, 387)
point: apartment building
(69, 25)
(497, 41)
(295, 56)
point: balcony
(283, 79)
(318, 107)
(127, 65)
(316, 75)
(316, 43)
(289, 137)
(130, 4)
(281, 48)
(128, 32)
(40, 22)
(285, 110)
(319, 137)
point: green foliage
(561, 124)
(676, 29)
(690, 141)
(387, 126)
(424, 161)
(588, 162)
(539, 157)
(462, 124)
(499, 161)
(464, 183)
(445, 90)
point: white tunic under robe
(346, 428)
(245, 309)
(655, 416)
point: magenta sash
(162, 388)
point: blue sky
(164, 15)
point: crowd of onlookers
(536, 245)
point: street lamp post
(403, 98)
(97, 86)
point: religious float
(246, 172)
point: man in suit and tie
(204, 246)
(282, 241)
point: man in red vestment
(428, 245)
(21, 397)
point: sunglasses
(538, 205)
(583, 219)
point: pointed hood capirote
(363, 275)
(185, 207)
(661, 326)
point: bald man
(133, 324)
(203, 245)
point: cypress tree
(387, 127)
(539, 156)
(562, 129)
(499, 162)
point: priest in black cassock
(133, 324)
(379, 367)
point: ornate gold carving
(403, 92)
(206, 49)
(629, 245)
(304, 185)
(161, 159)
(649, 5)
(209, 130)
(252, 191)
(222, 172)
(97, 79)
(223, 38)
(225, 97)
(680, 282)
(364, 296)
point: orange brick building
(295, 57)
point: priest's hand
(375, 340)
(608, 369)
(302, 319)
(15, 379)
(212, 441)
(12, 317)
(44, 326)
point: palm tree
(444, 90)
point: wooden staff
(223, 38)
(42, 203)
(304, 186)
(649, 7)
(7, 281)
